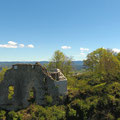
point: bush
(2, 115)
(2, 73)
(49, 99)
(12, 115)
(72, 112)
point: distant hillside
(77, 65)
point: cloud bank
(12, 44)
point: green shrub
(12, 115)
(10, 92)
(110, 117)
(56, 113)
(49, 99)
(20, 116)
(2, 73)
(2, 115)
(72, 112)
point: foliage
(104, 63)
(32, 95)
(2, 73)
(49, 99)
(93, 58)
(36, 112)
(10, 92)
(118, 56)
(72, 113)
(12, 115)
(2, 115)
(60, 61)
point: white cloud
(84, 49)
(116, 50)
(12, 44)
(65, 47)
(21, 45)
(82, 53)
(30, 46)
(80, 56)
(8, 46)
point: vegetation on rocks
(2, 73)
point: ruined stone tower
(23, 78)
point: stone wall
(24, 77)
(61, 85)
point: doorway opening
(32, 95)
(10, 92)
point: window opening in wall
(15, 67)
(44, 80)
(32, 95)
(10, 92)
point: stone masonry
(24, 77)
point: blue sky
(31, 30)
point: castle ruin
(23, 78)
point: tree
(93, 58)
(109, 65)
(103, 62)
(118, 56)
(60, 61)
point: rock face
(23, 78)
